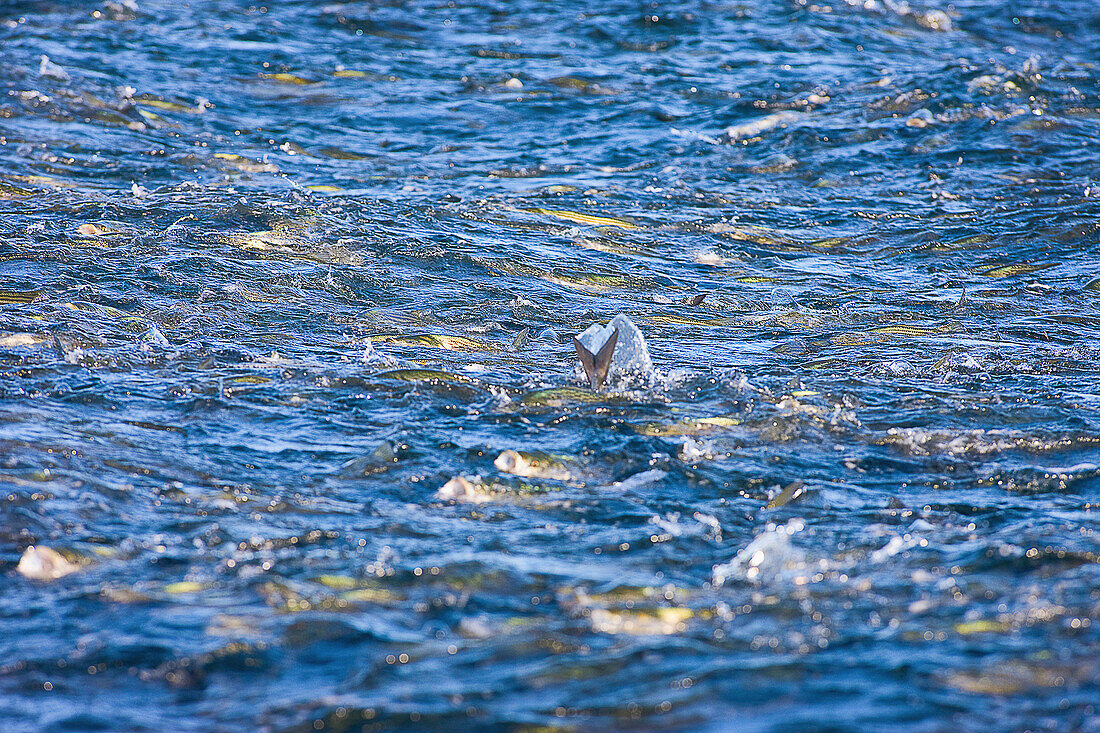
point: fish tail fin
(603, 357)
(588, 361)
(597, 365)
(521, 338)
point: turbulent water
(291, 415)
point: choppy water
(221, 225)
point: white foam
(155, 337)
(769, 557)
(373, 356)
(694, 450)
(50, 70)
(897, 544)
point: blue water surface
(291, 416)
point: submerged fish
(151, 101)
(423, 375)
(285, 78)
(89, 229)
(787, 495)
(689, 427)
(659, 621)
(9, 191)
(760, 125)
(21, 297)
(587, 219)
(532, 465)
(521, 339)
(461, 489)
(560, 396)
(246, 165)
(1015, 269)
(439, 341)
(22, 339)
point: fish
(438, 341)
(909, 330)
(21, 297)
(294, 239)
(461, 489)
(423, 375)
(1016, 269)
(697, 426)
(13, 340)
(629, 610)
(149, 101)
(44, 563)
(9, 191)
(532, 465)
(247, 165)
(580, 85)
(760, 125)
(285, 78)
(596, 365)
(93, 230)
(587, 219)
(155, 120)
(560, 396)
(787, 495)
(982, 626)
(660, 621)
(521, 339)
(250, 379)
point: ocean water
(291, 416)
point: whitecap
(769, 557)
